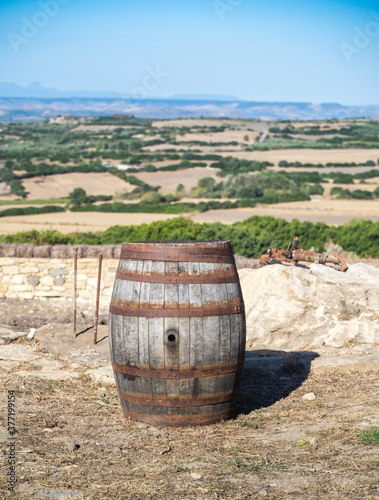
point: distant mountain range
(36, 102)
(36, 90)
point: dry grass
(311, 155)
(317, 210)
(170, 180)
(289, 449)
(61, 185)
(226, 136)
(68, 222)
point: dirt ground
(296, 434)
(61, 185)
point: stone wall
(41, 278)
(59, 251)
(42, 272)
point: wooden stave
(227, 384)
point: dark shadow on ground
(269, 376)
(100, 340)
(84, 331)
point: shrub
(17, 188)
(340, 178)
(359, 194)
(250, 237)
(315, 189)
(31, 210)
(77, 193)
(150, 168)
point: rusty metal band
(159, 249)
(179, 257)
(176, 403)
(180, 420)
(177, 375)
(205, 279)
(176, 313)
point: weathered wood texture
(177, 332)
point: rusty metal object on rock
(293, 255)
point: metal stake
(97, 300)
(75, 287)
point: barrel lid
(180, 243)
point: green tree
(207, 183)
(150, 168)
(77, 194)
(17, 188)
(6, 175)
(9, 164)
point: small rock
(58, 272)
(313, 441)
(31, 334)
(33, 280)
(72, 446)
(310, 396)
(47, 429)
(195, 476)
(262, 493)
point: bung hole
(171, 337)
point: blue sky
(317, 51)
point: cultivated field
(333, 212)
(310, 155)
(82, 144)
(67, 222)
(61, 185)
(170, 180)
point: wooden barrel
(177, 332)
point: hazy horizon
(316, 52)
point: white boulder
(291, 308)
